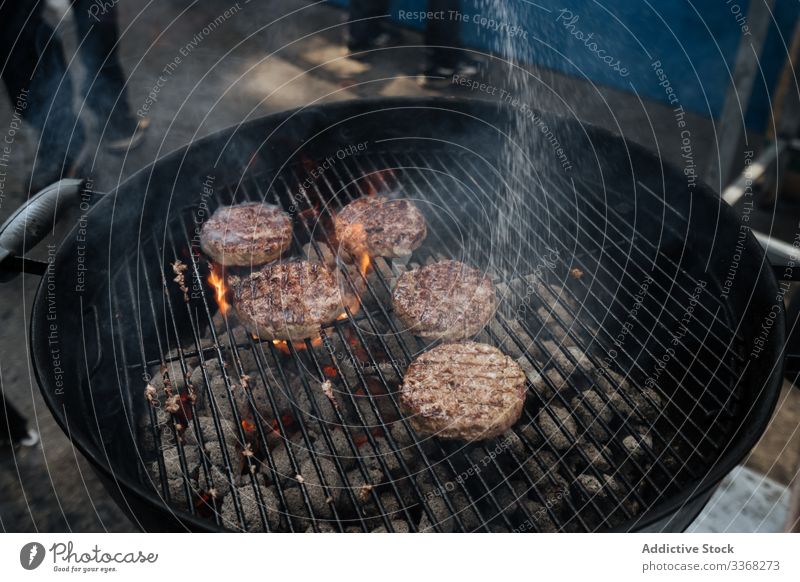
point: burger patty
(289, 300)
(246, 234)
(466, 391)
(380, 227)
(447, 300)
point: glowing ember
(360, 440)
(205, 503)
(309, 213)
(220, 291)
(248, 426)
(288, 423)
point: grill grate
(240, 434)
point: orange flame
(283, 346)
(364, 264)
(220, 291)
(355, 305)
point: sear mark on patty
(288, 300)
(447, 300)
(246, 234)
(466, 391)
(380, 227)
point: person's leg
(362, 33)
(40, 89)
(443, 36)
(446, 57)
(13, 426)
(104, 86)
(97, 36)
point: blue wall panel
(695, 41)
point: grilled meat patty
(466, 391)
(447, 300)
(289, 300)
(246, 234)
(351, 283)
(380, 227)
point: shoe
(29, 440)
(441, 76)
(125, 134)
(384, 39)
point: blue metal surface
(694, 40)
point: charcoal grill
(612, 281)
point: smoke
(526, 151)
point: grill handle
(784, 258)
(31, 223)
(785, 261)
